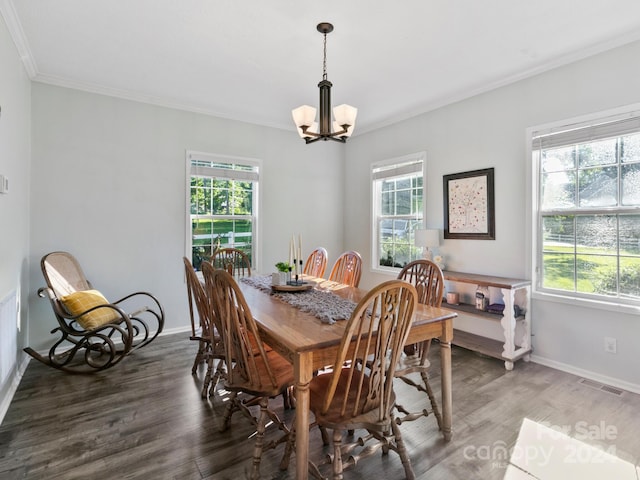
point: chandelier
(344, 115)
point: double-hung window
(588, 209)
(398, 210)
(223, 196)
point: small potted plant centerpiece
(280, 277)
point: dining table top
(300, 331)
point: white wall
(488, 130)
(15, 119)
(108, 185)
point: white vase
(278, 278)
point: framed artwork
(469, 209)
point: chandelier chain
(324, 60)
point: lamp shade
(345, 115)
(426, 238)
(304, 115)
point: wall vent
(601, 386)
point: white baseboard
(176, 330)
(13, 387)
(614, 382)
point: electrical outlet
(610, 345)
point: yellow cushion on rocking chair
(81, 301)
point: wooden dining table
(309, 344)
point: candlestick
(292, 249)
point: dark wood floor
(145, 419)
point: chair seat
(333, 418)
(281, 369)
(254, 345)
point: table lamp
(427, 239)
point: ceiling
(255, 60)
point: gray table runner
(327, 306)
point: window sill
(587, 303)
(386, 270)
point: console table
(506, 335)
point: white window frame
(574, 124)
(391, 168)
(253, 176)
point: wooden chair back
(362, 377)
(244, 349)
(234, 261)
(207, 271)
(347, 269)
(316, 263)
(63, 274)
(428, 279)
(197, 297)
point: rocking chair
(95, 334)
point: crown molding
(620, 41)
(8, 12)
(143, 98)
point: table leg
(445, 365)
(303, 373)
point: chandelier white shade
(344, 116)
(304, 115)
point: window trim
(534, 196)
(256, 231)
(373, 178)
